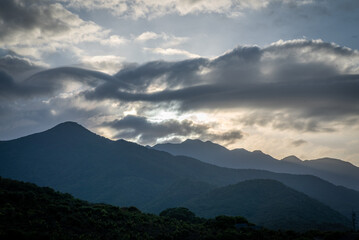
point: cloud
(152, 75)
(147, 36)
(50, 81)
(109, 64)
(34, 27)
(150, 9)
(232, 8)
(146, 132)
(301, 85)
(113, 40)
(312, 79)
(286, 120)
(172, 51)
(149, 132)
(167, 40)
(299, 142)
(19, 67)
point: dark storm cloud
(29, 15)
(148, 132)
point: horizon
(197, 139)
(279, 76)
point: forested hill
(31, 212)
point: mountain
(72, 159)
(216, 154)
(270, 204)
(178, 193)
(336, 171)
(32, 212)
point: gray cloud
(147, 132)
(29, 15)
(172, 74)
(286, 120)
(238, 79)
(17, 66)
(310, 84)
(299, 142)
(47, 82)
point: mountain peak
(69, 126)
(292, 159)
(70, 129)
(211, 146)
(193, 141)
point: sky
(281, 76)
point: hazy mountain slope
(333, 170)
(71, 159)
(268, 203)
(238, 158)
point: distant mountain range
(72, 159)
(334, 170)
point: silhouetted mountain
(72, 159)
(333, 170)
(216, 154)
(292, 159)
(270, 204)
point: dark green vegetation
(31, 212)
(72, 159)
(268, 203)
(334, 170)
(272, 205)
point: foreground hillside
(268, 203)
(71, 159)
(31, 212)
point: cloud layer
(305, 88)
(148, 8)
(311, 78)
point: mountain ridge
(334, 170)
(123, 173)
